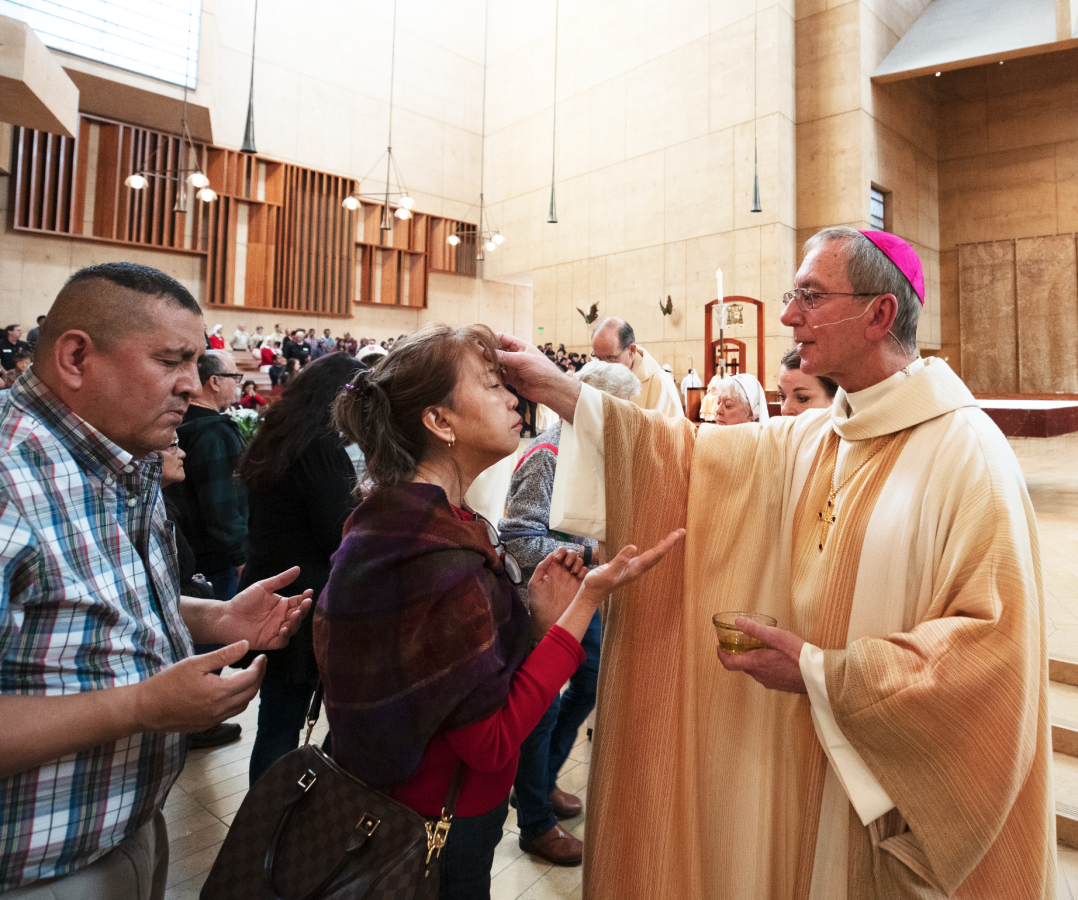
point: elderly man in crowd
(614, 341)
(211, 505)
(97, 680)
(891, 738)
(240, 338)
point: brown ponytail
(382, 410)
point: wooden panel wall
(54, 184)
(316, 264)
(456, 259)
(304, 251)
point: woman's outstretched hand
(552, 588)
(627, 566)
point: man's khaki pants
(135, 869)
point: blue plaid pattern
(89, 600)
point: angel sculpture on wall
(668, 307)
(591, 315)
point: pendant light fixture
(249, 131)
(405, 204)
(486, 238)
(552, 214)
(140, 179)
(755, 91)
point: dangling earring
(451, 442)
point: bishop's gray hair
(612, 378)
(871, 272)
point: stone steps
(1064, 671)
(1063, 706)
(246, 364)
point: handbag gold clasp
(310, 778)
(436, 835)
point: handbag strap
(454, 790)
(313, 710)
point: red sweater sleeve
(490, 748)
(493, 743)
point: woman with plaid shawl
(428, 657)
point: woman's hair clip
(350, 387)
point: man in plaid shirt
(98, 684)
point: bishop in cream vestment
(900, 747)
(918, 763)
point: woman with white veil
(741, 399)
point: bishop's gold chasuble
(920, 582)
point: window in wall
(158, 38)
(880, 209)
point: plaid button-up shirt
(89, 600)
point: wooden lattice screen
(76, 187)
(277, 237)
(316, 267)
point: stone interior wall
(853, 134)
(654, 169)
(321, 100)
(1008, 170)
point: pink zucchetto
(903, 256)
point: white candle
(718, 278)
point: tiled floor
(211, 788)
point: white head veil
(752, 392)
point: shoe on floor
(225, 733)
(556, 846)
(566, 805)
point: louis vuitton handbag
(307, 830)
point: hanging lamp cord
(554, 125)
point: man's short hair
(626, 335)
(40, 319)
(108, 315)
(211, 363)
(870, 272)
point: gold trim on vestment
(835, 574)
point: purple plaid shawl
(417, 631)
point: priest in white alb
(894, 739)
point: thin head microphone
(840, 321)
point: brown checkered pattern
(390, 865)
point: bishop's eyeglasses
(808, 300)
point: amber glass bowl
(731, 638)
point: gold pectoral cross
(826, 521)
